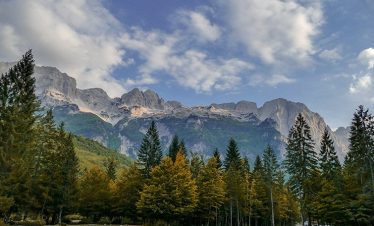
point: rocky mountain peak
(148, 98)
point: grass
(91, 153)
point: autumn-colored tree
(171, 192)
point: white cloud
(366, 57)
(191, 68)
(275, 30)
(360, 83)
(199, 25)
(273, 80)
(79, 37)
(330, 55)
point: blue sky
(317, 52)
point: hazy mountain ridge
(121, 122)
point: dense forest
(41, 182)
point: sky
(318, 52)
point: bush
(104, 220)
(2, 223)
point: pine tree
(361, 150)
(218, 158)
(111, 168)
(174, 147)
(233, 158)
(271, 169)
(182, 148)
(196, 164)
(233, 178)
(18, 105)
(329, 162)
(301, 162)
(150, 153)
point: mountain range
(121, 122)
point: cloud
(366, 57)
(330, 55)
(360, 83)
(274, 30)
(273, 80)
(198, 25)
(79, 37)
(191, 68)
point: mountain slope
(91, 153)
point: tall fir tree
(233, 158)
(301, 163)
(361, 150)
(18, 105)
(328, 161)
(271, 169)
(217, 155)
(174, 147)
(150, 153)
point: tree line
(40, 177)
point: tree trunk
(231, 213)
(60, 216)
(237, 212)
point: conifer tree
(271, 169)
(233, 158)
(196, 164)
(233, 178)
(182, 148)
(150, 153)
(301, 162)
(111, 168)
(174, 147)
(218, 158)
(329, 162)
(361, 150)
(18, 105)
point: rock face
(121, 122)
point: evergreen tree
(301, 162)
(196, 164)
(329, 162)
(174, 148)
(271, 169)
(233, 178)
(182, 148)
(361, 150)
(18, 105)
(111, 168)
(218, 158)
(150, 153)
(233, 158)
